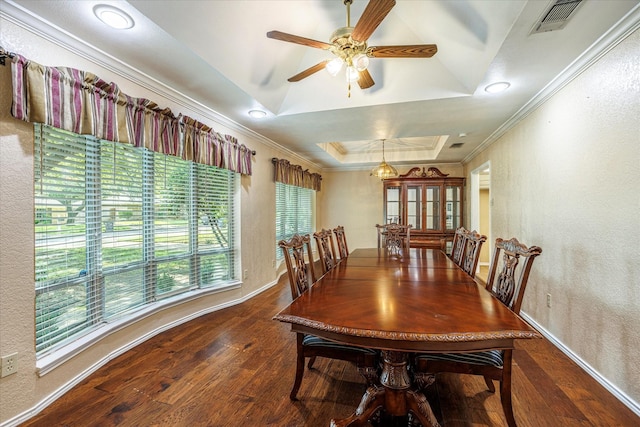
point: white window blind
(294, 212)
(118, 228)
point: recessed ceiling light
(113, 17)
(257, 114)
(497, 87)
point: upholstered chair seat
(507, 281)
(299, 259)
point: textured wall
(567, 178)
(17, 293)
(24, 392)
(354, 200)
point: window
(294, 212)
(118, 228)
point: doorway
(480, 218)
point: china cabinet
(430, 201)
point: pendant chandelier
(384, 170)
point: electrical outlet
(273, 262)
(549, 300)
(9, 364)
(245, 275)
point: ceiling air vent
(557, 16)
(456, 145)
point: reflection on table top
(420, 302)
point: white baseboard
(48, 400)
(25, 416)
(612, 388)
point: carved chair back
(472, 245)
(326, 249)
(299, 259)
(341, 241)
(509, 271)
(394, 237)
(457, 250)
(301, 277)
(508, 276)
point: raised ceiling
(217, 53)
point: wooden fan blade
(308, 72)
(405, 51)
(279, 35)
(364, 79)
(372, 16)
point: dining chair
(341, 241)
(326, 249)
(507, 281)
(300, 272)
(457, 249)
(396, 238)
(471, 254)
(297, 251)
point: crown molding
(398, 166)
(42, 28)
(616, 34)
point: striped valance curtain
(81, 102)
(204, 145)
(287, 173)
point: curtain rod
(4, 55)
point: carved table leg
(395, 396)
(419, 406)
(372, 400)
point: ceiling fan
(349, 45)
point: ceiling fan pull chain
(348, 4)
(349, 89)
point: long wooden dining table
(403, 303)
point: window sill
(49, 362)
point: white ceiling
(217, 53)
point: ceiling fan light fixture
(350, 44)
(352, 74)
(360, 61)
(334, 66)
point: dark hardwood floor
(235, 367)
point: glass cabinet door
(414, 206)
(432, 205)
(453, 207)
(430, 201)
(392, 210)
